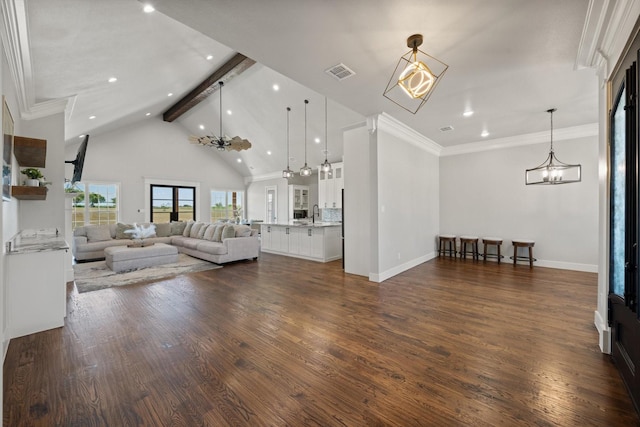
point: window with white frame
(94, 203)
(227, 205)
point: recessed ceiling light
(148, 114)
(276, 87)
(92, 117)
(229, 112)
(317, 140)
(484, 134)
(209, 57)
(112, 79)
(468, 113)
(148, 8)
(81, 136)
(170, 94)
(201, 127)
(239, 160)
(269, 152)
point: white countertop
(36, 240)
(303, 223)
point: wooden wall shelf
(30, 152)
(28, 193)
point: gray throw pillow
(202, 230)
(228, 232)
(163, 229)
(243, 231)
(217, 235)
(194, 229)
(120, 231)
(208, 234)
(98, 233)
(187, 229)
(177, 228)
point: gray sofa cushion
(177, 228)
(213, 248)
(228, 232)
(242, 231)
(98, 233)
(163, 229)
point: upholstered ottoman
(123, 258)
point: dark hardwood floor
(286, 342)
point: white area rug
(93, 276)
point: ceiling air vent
(446, 129)
(340, 72)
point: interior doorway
(271, 203)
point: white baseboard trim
(604, 332)
(381, 277)
(588, 268)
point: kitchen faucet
(313, 215)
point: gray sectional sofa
(215, 242)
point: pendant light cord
(325, 129)
(306, 101)
(551, 112)
(288, 111)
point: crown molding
(608, 26)
(386, 123)
(15, 39)
(575, 132)
(266, 177)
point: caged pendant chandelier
(287, 173)
(552, 171)
(326, 166)
(415, 77)
(305, 170)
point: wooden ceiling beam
(226, 72)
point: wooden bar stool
(522, 243)
(492, 241)
(444, 239)
(473, 242)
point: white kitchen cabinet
(317, 243)
(36, 286)
(298, 199)
(330, 186)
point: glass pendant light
(326, 166)
(305, 170)
(287, 173)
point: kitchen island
(320, 241)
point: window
(226, 205)
(94, 203)
(172, 203)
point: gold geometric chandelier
(415, 77)
(552, 171)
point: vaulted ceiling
(509, 61)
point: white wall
(407, 200)
(357, 200)
(154, 150)
(484, 194)
(391, 207)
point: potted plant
(33, 175)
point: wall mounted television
(78, 163)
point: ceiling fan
(222, 142)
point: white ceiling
(509, 61)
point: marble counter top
(303, 224)
(32, 240)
